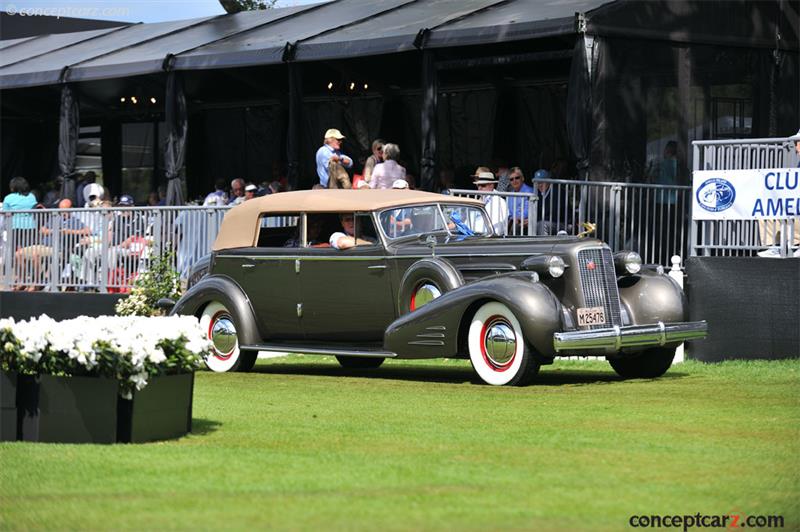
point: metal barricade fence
(652, 220)
(100, 249)
(744, 237)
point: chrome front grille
(599, 284)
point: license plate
(591, 316)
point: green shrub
(161, 280)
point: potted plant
(102, 380)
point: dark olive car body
(508, 304)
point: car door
(346, 295)
(268, 275)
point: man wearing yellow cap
(331, 150)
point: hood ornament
(589, 228)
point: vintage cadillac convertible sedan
(425, 278)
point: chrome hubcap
(223, 335)
(500, 343)
(424, 294)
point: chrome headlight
(627, 262)
(555, 266)
(551, 265)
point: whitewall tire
(497, 347)
(220, 329)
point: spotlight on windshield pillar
(330, 85)
(352, 86)
(152, 100)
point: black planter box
(162, 410)
(89, 409)
(8, 406)
(70, 410)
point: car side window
(279, 230)
(365, 228)
(354, 229)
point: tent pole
(175, 145)
(293, 130)
(68, 130)
(430, 87)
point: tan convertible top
(239, 228)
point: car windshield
(420, 219)
(466, 220)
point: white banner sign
(763, 194)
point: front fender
(650, 297)
(434, 330)
(226, 291)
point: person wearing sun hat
(485, 181)
(250, 191)
(331, 150)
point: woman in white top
(389, 170)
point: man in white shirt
(346, 239)
(495, 205)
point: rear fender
(225, 290)
(434, 330)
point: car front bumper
(614, 339)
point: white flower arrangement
(129, 348)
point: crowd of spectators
(240, 191)
(384, 168)
(72, 240)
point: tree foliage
(235, 6)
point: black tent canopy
(332, 30)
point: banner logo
(716, 195)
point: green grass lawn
(303, 444)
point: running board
(314, 350)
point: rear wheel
(647, 365)
(225, 353)
(359, 362)
(497, 347)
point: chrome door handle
(377, 267)
(248, 265)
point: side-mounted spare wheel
(649, 364)
(220, 327)
(497, 347)
(425, 280)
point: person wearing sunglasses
(518, 205)
(372, 160)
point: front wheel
(359, 362)
(497, 347)
(220, 329)
(649, 364)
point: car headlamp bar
(627, 262)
